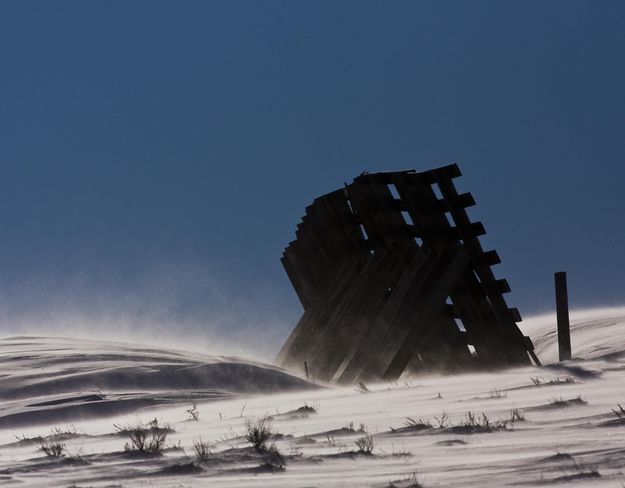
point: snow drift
(58, 379)
(559, 425)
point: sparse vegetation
(400, 452)
(305, 410)
(442, 420)
(57, 435)
(562, 402)
(620, 413)
(492, 395)
(202, 450)
(539, 381)
(417, 424)
(474, 424)
(365, 444)
(193, 412)
(332, 441)
(301, 412)
(409, 482)
(69, 432)
(471, 424)
(23, 438)
(145, 439)
(76, 459)
(516, 416)
(258, 433)
(350, 427)
(497, 394)
(53, 448)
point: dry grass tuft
(53, 448)
(365, 444)
(193, 412)
(258, 433)
(145, 439)
(202, 450)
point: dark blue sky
(157, 156)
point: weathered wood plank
(400, 296)
(450, 264)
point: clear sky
(156, 156)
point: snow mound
(57, 379)
(595, 334)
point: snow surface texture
(552, 426)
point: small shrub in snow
(258, 433)
(53, 448)
(620, 413)
(193, 412)
(365, 444)
(144, 439)
(202, 449)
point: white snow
(74, 391)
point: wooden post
(562, 310)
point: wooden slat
(368, 297)
(430, 308)
(307, 332)
(401, 295)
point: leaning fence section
(392, 277)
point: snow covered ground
(522, 427)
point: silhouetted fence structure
(391, 274)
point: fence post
(562, 312)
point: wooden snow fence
(392, 276)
